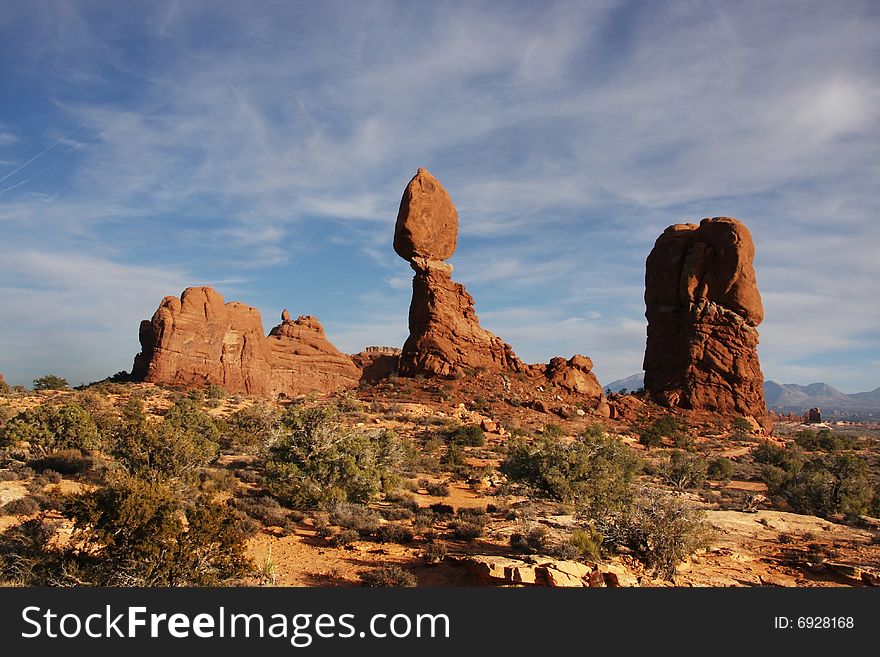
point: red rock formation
(302, 359)
(702, 307)
(445, 335)
(376, 363)
(199, 340)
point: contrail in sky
(42, 152)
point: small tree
(50, 382)
(48, 429)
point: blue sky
(262, 148)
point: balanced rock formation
(198, 340)
(702, 308)
(445, 335)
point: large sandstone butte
(198, 340)
(445, 335)
(703, 308)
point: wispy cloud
(277, 139)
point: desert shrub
(825, 440)
(530, 539)
(594, 473)
(265, 509)
(217, 480)
(252, 428)
(741, 428)
(403, 500)
(434, 553)
(136, 532)
(586, 543)
(684, 470)
(397, 513)
(823, 486)
(4, 387)
(25, 556)
(66, 461)
(650, 437)
(50, 382)
(319, 462)
(213, 391)
(668, 426)
(394, 533)
(775, 455)
(454, 456)
(553, 431)
(465, 530)
(186, 415)
(6, 413)
(23, 506)
(172, 449)
(662, 530)
(424, 520)
(51, 428)
(437, 489)
(441, 509)
(388, 576)
(720, 469)
(358, 517)
(344, 537)
(469, 436)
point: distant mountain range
(794, 398)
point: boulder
(702, 305)
(427, 222)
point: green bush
(319, 462)
(437, 489)
(50, 382)
(138, 533)
(741, 428)
(469, 436)
(668, 426)
(684, 470)
(775, 455)
(251, 428)
(823, 486)
(176, 448)
(595, 474)
(825, 440)
(51, 428)
(720, 469)
(587, 543)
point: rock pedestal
(703, 307)
(445, 335)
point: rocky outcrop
(199, 340)
(703, 307)
(302, 359)
(376, 363)
(445, 335)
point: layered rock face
(198, 340)
(302, 359)
(703, 306)
(445, 335)
(377, 363)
